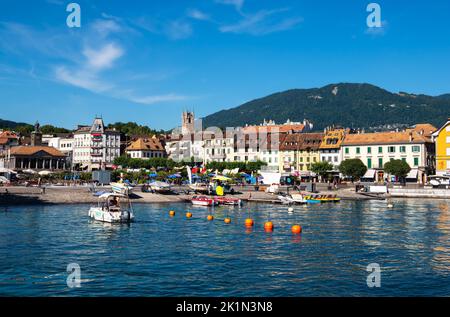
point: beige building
(146, 148)
(299, 151)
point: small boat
(200, 188)
(160, 187)
(286, 200)
(228, 201)
(121, 188)
(203, 201)
(112, 208)
(292, 199)
(317, 199)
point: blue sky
(146, 61)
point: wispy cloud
(177, 30)
(104, 57)
(238, 4)
(150, 100)
(262, 22)
(198, 15)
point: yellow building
(442, 140)
(299, 151)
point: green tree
(398, 168)
(322, 168)
(354, 168)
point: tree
(321, 168)
(398, 168)
(354, 168)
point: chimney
(410, 137)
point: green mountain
(349, 105)
(6, 124)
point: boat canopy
(108, 195)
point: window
(380, 149)
(416, 148)
(369, 163)
(404, 159)
(358, 150)
(369, 150)
(347, 150)
(403, 149)
(391, 149)
(448, 140)
(448, 151)
(416, 161)
(380, 162)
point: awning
(413, 174)
(370, 173)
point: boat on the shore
(121, 188)
(160, 187)
(112, 208)
(203, 201)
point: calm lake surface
(162, 256)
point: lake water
(162, 256)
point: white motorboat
(160, 187)
(112, 208)
(121, 188)
(292, 199)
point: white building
(64, 144)
(95, 147)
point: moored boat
(228, 201)
(203, 201)
(112, 208)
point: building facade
(146, 148)
(441, 139)
(330, 148)
(33, 157)
(95, 147)
(413, 146)
(299, 151)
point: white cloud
(198, 15)
(149, 100)
(261, 23)
(81, 79)
(103, 58)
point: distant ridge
(6, 124)
(346, 104)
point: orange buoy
(227, 220)
(249, 222)
(268, 226)
(296, 229)
(188, 215)
(210, 218)
(171, 213)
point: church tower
(187, 123)
(36, 135)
